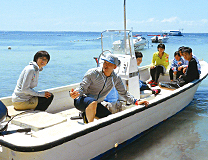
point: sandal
(150, 82)
(156, 91)
(154, 84)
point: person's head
(180, 50)
(110, 63)
(177, 55)
(41, 58)
(138, 58)
(161, 47)
(187, 53)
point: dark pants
(82, 103)
(177, 74)
(44, 102)
(144, 86)
(155, 73)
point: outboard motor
(3, 111)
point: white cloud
(172, 19)
(204, 20)
(150, 20)
(154, 24)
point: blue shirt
(175, 64)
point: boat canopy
(113, 41)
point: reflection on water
(181, 137)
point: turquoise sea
(182, 137)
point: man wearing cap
(96, 85)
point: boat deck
(44, 124)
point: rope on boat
(87, 39)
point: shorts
(82, 103)
(31, 104)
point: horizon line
(83, 31)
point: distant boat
(175, 33)
(159, 39)
(139, 43)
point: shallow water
(182, 137)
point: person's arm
(85, 83)
(146, 103)
(192, 72)
(173, 65)
(26, 81)
(122, 91)
(197, 61)
(81, 89)
(125, 94)
(166, 60)
(153, 62)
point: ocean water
(184, 136)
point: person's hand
(184, 70)
(146, 103)
(47, 94)
(74, 94)
(179, 63)
(180, 68)
(175, 72)
(152, 67)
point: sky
(98, 15)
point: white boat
(55, 136)
(139, 43)
(159, 39)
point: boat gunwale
(58, 142)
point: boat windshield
(113, 41)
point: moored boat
(172, 32)
(160, 39)
(175, 33)
(55, 136)
(139, 43)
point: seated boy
(175, 66)
(185, 65)
(191, 74)
(192, 71)
(143, 85)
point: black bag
(180, 82)
(174, 84)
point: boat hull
(175, 33)
(102, 137)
